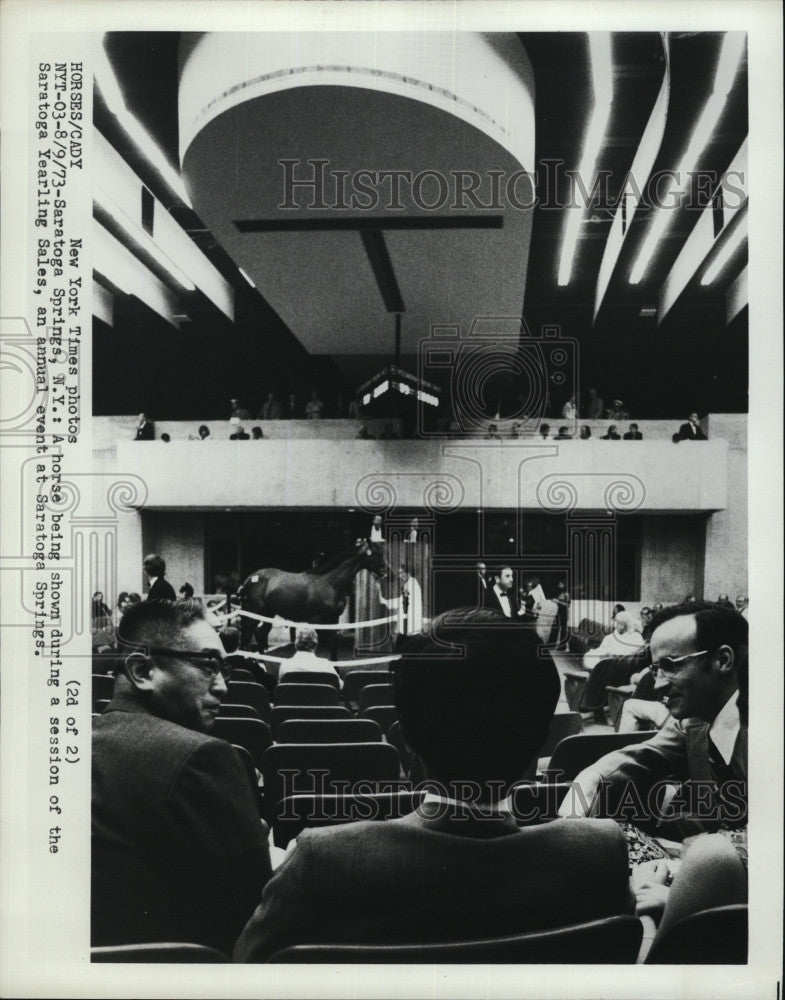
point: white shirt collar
(501, 808)
(152, 580)
(725, 728)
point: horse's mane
(335, 560)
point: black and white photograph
(392, 473)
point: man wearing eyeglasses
(699, 658)
(178, 850)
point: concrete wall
(179, 537)
(672, 557)
(726, 563)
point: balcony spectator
(241, 434)
(202, 434)
(545, 430)
(291, 408)
(145, 430)
(691, 431)
(165, 438)
(595, 406)
(257, 433)
(364, 434)
(313, 411)
(187, 591)
(611, 434)
(570, 409)
(563, 435)
(618, 411)
(354, 409)
(271, 408)
(633, 434)
(492, 434)
(238, 412)
(585, 433)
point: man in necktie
(699, 659)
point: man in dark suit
(501, 596)
(178, 850)
(458, 867)
(699, 655)
(482, 585)
(692, 430)
(145, 429)
(611, 434)
(633, 434)
(160, 589)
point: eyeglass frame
(224, 668)
(655, 667)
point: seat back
(575, 753)
(158, 951)
(281, 713)
(383, 715)
(395, 736)
(375, 694)
(252, 734)
(563, 724)
(711, 937)
(238, 711)
(355, 681)
(305, 694)
(311, 677)
(298, 812)
(613, 941)
(289, 768)
(250, 693)
(250, 771)
(329, 731)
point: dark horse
(317, 596)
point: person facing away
(145, 429)
(178, 850)
(155, 569)
(699, 659)
(306, 643)
(691, 430)
(458, 867)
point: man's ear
(725, 660)
(138, 669)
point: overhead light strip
(601, 59)
(115, 102)
(731, 54)
(733, 243)
(139, 237)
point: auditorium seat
(711, 937)
(281, 713)
(355, 681)
(250, 693)
(305, 694)
(299, 812)
(574, 683)
(395, 737)
(329, 731)
(616, 698)
(384, 715)
(252, 734)
(238, 711)
(311, 677)
(375, 694)
(350, 762)
(575, 753)
(562, 725)
(103, 687)
(158, 951)
(613, 941)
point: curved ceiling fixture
(640, 171)
(112, 94)
(601, 60)
(731, 54)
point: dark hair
(545, 427)
(480, 712)
(156, 622)
(187, 591)
(715, 625)
(154, 565)
(204, 427)
(134, 598)
(165, 438)
(230, 638)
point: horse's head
(372, 558)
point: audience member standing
(596, 405)
(271, 408)
(313, 411)
(178, 850)
(238, 412)
(160, 589)
(145, 429)
(692, 430)
(291, 408)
